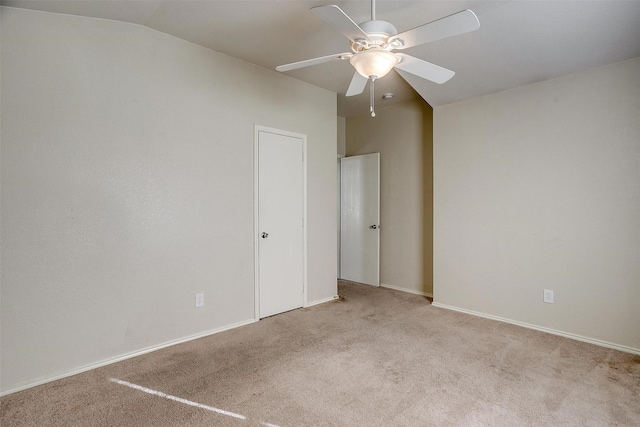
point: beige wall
(539, 188)
(127, 188)
(402, 135)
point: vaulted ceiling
(518, 43)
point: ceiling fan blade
(424, 69)
(452, 25)
(357, 85)
(340, 21)
(314, 61)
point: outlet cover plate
(548, 296)
(199, 300)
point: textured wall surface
(539, 188)
(127, 188)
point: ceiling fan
(373, 43)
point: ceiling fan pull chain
(372, 96)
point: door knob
(265, 235)
(374, 226)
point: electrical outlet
(199, 300)
(548, 296)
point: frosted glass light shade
(373, 62)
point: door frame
(256, 211)
(339, 212)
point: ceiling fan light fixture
(374, 63)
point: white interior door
(360, 219)
(280, 234)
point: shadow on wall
(427, 200)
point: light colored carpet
(378, 358)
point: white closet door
(280, 222)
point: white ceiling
(518, 43)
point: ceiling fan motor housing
(379, 31)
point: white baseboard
(322, 301)
(542, 329)
(123, 357)
(410, 291)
